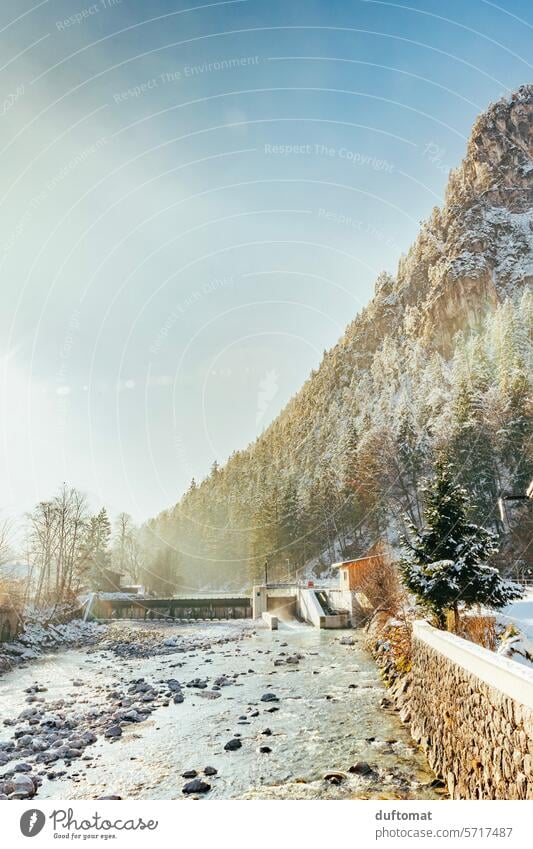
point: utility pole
(507, 496)
(266, 573)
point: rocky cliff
(474, 252)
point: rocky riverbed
(211, 710)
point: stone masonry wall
(479, 740)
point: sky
(195, 200)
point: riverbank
(292, 714)
(38, 640)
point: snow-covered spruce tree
(445, 564)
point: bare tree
(6, 551)
(135, 556)
(57, 546)
(128, 552)
(122, 536)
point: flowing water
(329, 718)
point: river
(327, 719)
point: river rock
(70, 753)
(39, 744)
(223, 681)
(113, 731)
(142, 687)
(361, 768)
(196, 786)
(88, 738)
(189, 773)
(20, 787)
(132, 715)
(269, 697)
(197, 684)
(210, 770)
(233, 745)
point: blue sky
(195, 200)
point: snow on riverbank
(517, 640)
(520, 613)
(123, 639)
(37, 640)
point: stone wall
(472, 713)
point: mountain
(439, 361)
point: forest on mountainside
(437, 365)
(350, 471)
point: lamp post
(266, 573)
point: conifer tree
(97, 545)
(446, 562)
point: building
(356, 592)
(352, 572)
(350, 594)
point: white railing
(509, 677)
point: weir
(121, 606)
(322, 607)
(290, 601)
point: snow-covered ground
(519, 613)
(517, 641)
(37, 640)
